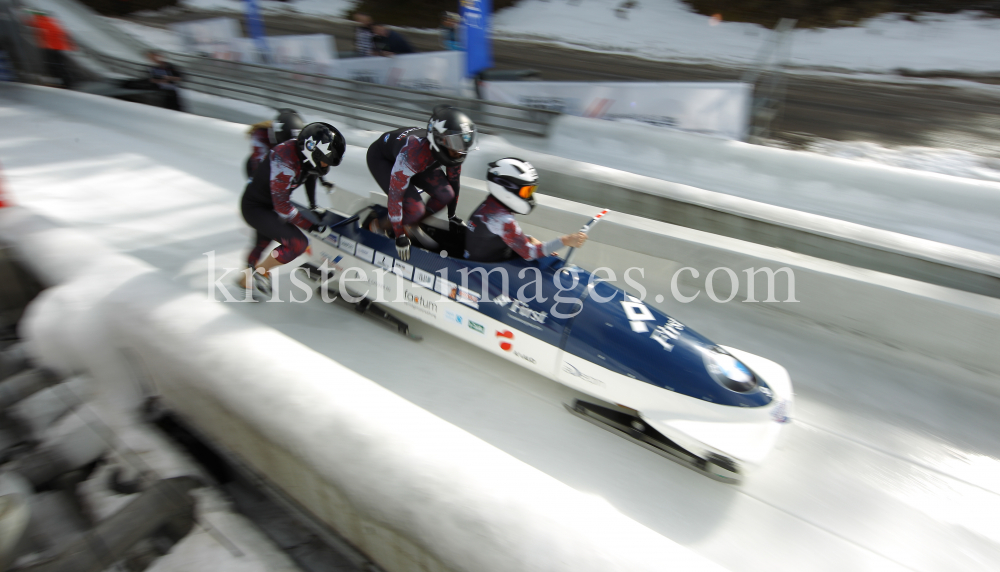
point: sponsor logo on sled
(332, 238)
(382, 260)
(666, 334)
(424, 278)
(504, 336)
(571, 369)
(403, 269)
(524, 357)
(421, 303)
(374, 281)
(520, 308)
(452, 316)
(475, 326)
(466, 296)
(445, 287)
(348, 245)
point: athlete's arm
(507, 228)
(414, 157)
(283, 175)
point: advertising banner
(210, 37)
(312, 53)
(439, 72)
(476, 32)
(712, 108)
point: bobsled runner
(650, 378)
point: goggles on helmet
(526, 191)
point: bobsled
(646, 376)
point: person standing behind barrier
(390, 42)
(363, 36)
(449, 31)
(167, 78)
(54, 43)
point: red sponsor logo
(504, 344)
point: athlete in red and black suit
(407, 161)
(266, 203)
(493, 234)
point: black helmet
(513, 183)
(286, 126)
(321, 142)
(451, 129)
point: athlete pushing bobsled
(266, 204)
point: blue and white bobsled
(654, 380)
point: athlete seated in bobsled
(493, 234)
(266, 204)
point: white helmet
(513, 182)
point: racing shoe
(261, 288)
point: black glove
(453, 219)
(403, 247)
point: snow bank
(668, 29)
(409, 489)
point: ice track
(892, 463)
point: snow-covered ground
(669, 30)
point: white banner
(713, 108)
(312, 53)
(439, 72)
(209, 38)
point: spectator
(449, 31)
(364, 45)
(389, 42)
(53, 42)
(165, 76)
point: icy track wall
(872, 304)
(876, 305)
(413, 492)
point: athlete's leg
(292, 241)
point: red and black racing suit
(260, 146)
(266, 204)
(493, 236)
(403, 165)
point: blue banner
(256, 28)
(476, 28)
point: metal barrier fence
(362, 104)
